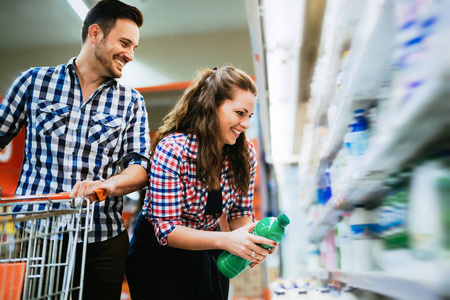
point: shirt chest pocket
(51, 118)
(104, 130)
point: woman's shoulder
(182, 143)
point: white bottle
(361, 221)
(427, 209)
(343, 244)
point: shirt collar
(109, 82)
(192, 146)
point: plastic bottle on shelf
(346, 157)
(343, 234)
(270, 227)
(327, 182)
(359, 135)
(428, 225)
(393, 213)
(361, 223)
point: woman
(202, 168)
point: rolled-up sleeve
(243, 207)
(166, 190)
(137, 136)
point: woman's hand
(242, 243)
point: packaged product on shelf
(359, 134)
(422, 66)
(313, 260)
(343, 235)
(338, 171)
(326, 187)
(392, 220)
(429, 211)
(362, 222)
(328, 252)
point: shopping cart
(38, 249)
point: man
(82, 128)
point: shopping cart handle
(101, 194)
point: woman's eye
(240, 113)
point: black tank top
(214, 202)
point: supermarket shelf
(360, 190)
(395, 286)
(326, 222)
(415, 129)
(423, 280)
(418, 124)
(365, 80)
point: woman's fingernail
(275, 244)
(271, 251)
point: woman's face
(234, 116)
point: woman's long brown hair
(196, 112)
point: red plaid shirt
(175, 195)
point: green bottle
(272, 228)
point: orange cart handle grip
(99, 193)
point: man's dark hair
(106, 12)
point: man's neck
(88, 76)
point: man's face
(117, 49)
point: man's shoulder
(128, 90)
(47, 69)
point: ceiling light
(79, 7)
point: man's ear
(95, 33)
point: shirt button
(72, 176)
(73, 153)
(77, 130)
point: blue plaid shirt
(68, 141)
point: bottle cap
(283, 220)
(280, 292)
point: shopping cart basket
(38, 248)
